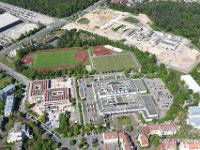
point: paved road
(21, 78)
(48, 29)
(55, 135)
(90, 138)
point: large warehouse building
(7, 21)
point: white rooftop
(191, 83)
(194, 111)
(6, 19)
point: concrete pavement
(21, 78)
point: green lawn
(54, 58)
(115, 62)
(5, 81)
(124, 120)
(9, 61)
(83, 21)
(117, 28)
(131, 20)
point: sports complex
(62, 58)
(108, 59)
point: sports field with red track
(62, 58)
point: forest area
(54, 8)
(178, 18)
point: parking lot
(160, 93)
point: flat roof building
(109, 94)
(52, 94)
(194, 116)
(7, 90)
(8, 21)
(9, 105)
(191, 83)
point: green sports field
(54, 58)
(115, 62)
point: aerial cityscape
(99, 75)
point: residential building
(168, 144)
(2, 123)
(155, 129)
(194, 116)
(7, 91)
(189, 145)
(10, 101)
(18, 133)
(117, 140)
(191, 83)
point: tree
(72, 142)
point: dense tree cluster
(65, 128)
(40, 141)
(1, 11)
(179, 18)
(196, 74)
(55, 8)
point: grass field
(117, 28)
(131, 20)
(83, 21)
(54, 58)
(115, 62)
(8, 61)
(124, 120)
(5, 81)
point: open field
(114, 62)
(174, 51)
(83, 21)
(9, 61)
(56, 58)
(124, 120)
(131, 20)
(5, 81)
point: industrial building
(191, 83)
(10, 101)
(7, 21)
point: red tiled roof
(110, 135)
(144, 135)
(38, 87)
(191, 145)
(118, 135)
(167, 145)
(144, 139)
(58, 94)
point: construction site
(175, 52)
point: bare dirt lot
(174, 51)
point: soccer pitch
(115, 62)
(54, 58)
